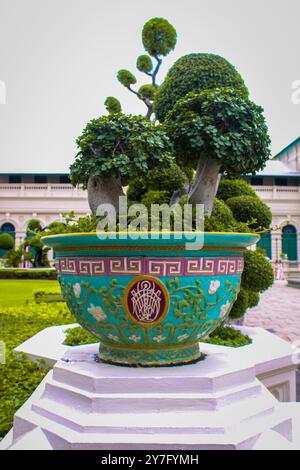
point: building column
(19, 238)
(276, 244)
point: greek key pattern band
(161, 267)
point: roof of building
(288, 148)
(277, 168)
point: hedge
(19, 377)
(15, 273)
(47, 296)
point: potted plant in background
(150, 298)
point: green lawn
(17, 292)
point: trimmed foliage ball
(6, 241)
(144, 63)
(233, 188)
(253, 298)
(252, 210)
(126, 78)
(240, 305)
(148, 91)
(158, 179)
(155, 197)
(258, 273)
(221, 218)
(113, 105)
(159, 37)
(121, 146)
(195, 73)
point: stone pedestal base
(83, 404)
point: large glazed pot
(149, 299)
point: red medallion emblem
(146, 300)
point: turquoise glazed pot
(150, 298)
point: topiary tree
(159, 39)
(196, 73)
(253, 298)
(6, 241)
(229, 188)
(113, 149)
(252, 210)
(215, 131)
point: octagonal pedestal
(84, 404)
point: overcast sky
(59, 58)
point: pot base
(150, 357)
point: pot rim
(140, 240)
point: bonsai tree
(113, 149)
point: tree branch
(155, 72)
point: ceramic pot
(149, 299)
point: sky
(59, 59)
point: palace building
(47, 196)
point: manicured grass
(17, 292)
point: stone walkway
(279, 312)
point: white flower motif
(113, 337)
(224, 309)
(182, 337)
(213, 287)
(77, 290)
(97, 312)
(134, 338)
(159, 338)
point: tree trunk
(180, 192)
(205, 184)
(104, 191)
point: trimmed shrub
(251, 210)
(258, 273)
(159, 179)
(228, 336)
(11, 273)
(77, 335)
(6, 241)
(195, 73)
(240, 305)
(47, 296)
(233, 188)
(155, 197)
(253, 298)
(221, 218)
(19, 377)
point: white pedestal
(217, 403)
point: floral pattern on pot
(195, 307)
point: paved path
(279, 312)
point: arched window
(289, 242)
(8, 228)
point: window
(40, 179)
(255, 181)
(281, 181)
(64, 179)
(15, 179)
